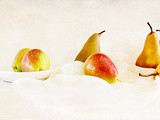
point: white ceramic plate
(7, 74)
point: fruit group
(90, 47)
(150, 56)
(100, 65)
(16, 66)
(35, 60)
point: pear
(101, 66)
(150, 56)
(16, 66)
(90, 47)
(156, 72)
(35, 60)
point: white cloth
(61, 28)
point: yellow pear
(156, 72)
(150, 56)
(16, 66)
(92, 46)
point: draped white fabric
(61, 28)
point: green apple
(16, 66)
(35, 60)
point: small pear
(16, 66)
(156, 72)
(150, 56)
(92, 46)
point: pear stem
(158, 30)
(102, 32)
(119, 80)
(153, 74)
(150, 27)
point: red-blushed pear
(35, 60)
(101, 66)
(16, 66)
